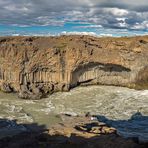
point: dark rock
(143, 41)
(88, 114)
(26, 94)
(5, 87)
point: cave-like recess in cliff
(99, 73)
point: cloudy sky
(98, 17)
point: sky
(56, 17)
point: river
(123, 108)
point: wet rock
(35, 90)
(25, 93)
(6, 87)
(88, 114)
(28, 95)
(63, 87)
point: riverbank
(72, 132)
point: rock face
(35, 66)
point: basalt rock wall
(35, 66)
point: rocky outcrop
(36, 66)
(72, 132)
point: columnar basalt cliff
(35, 66)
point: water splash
(115, 103)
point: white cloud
(116, 11)
(86, 33)
(104, 34)
(89, 26)
(139, 26)
(15, 8)
(122, 22)
(97, 13)
(78, 33)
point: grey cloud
(106, 13)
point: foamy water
(117, 106)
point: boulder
(6, 87)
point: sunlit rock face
(35, 66)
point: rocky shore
(37, 66)
(72, 132)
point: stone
(34, 93)
(49, 64)
(137, 49)
(108, 130)
(96, 130)
(5, 87)
(88, 114)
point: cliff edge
(36, 66)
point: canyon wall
(36, 66)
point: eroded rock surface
(36, 66)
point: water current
(123, 108)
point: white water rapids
(123, 108)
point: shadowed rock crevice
(99, 73)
